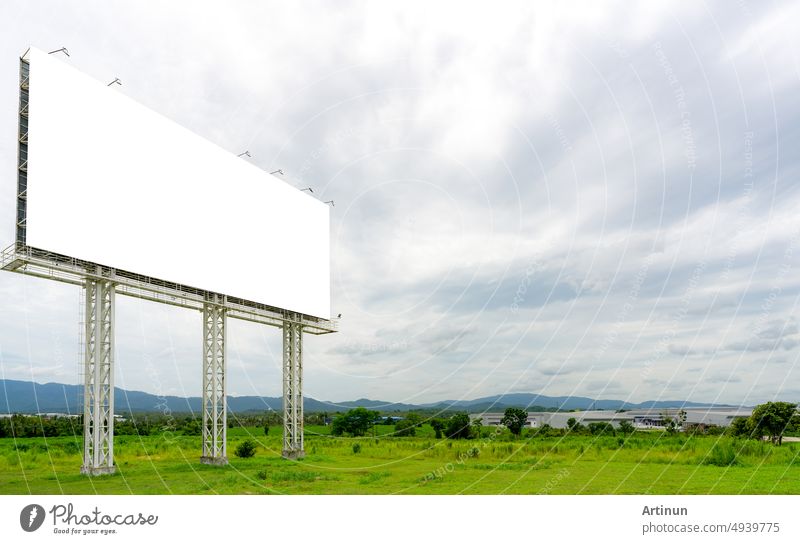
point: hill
(29, 397)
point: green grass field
(641, 463)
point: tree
(438, 426)
(458, 426)
(574, 426)
(355, 422)
(414, 418)
(794, 424)
(740, 427)
(571, 422)
(626, 427)
(246, 449)
(544, 430)
(477, 425)
(670, 425)
(405, 427)
(771, 419)
(682, 418)
(515, 419)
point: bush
(601, 427)
(356, 448)
(626, 427)
(266, 430)
(542, 431)
(405, 427)
(721, 455)
(261, 475)
(246, 449)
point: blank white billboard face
(112, 182)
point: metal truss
(53, 266)
(101, 284)
(293, 390)
(214, 399)
(98, 455)
(22, 151)
(98, 391)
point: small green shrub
(246, 449)
(261, 475)
(356, 448)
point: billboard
(114, 183)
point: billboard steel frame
(101, 284)
(214, 408)
(98, 392)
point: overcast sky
(598, 200)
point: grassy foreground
(642, 463)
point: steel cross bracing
(22, 151)
(214, 402)
(43, 264)
(293, 390)
(215, 309)
(98, 395)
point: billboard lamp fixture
(309, 189)
(117, 80)
(278, 171)
(62, 50)
(245, 153)
(330, 202)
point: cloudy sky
(597, 200)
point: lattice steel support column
(293, 390)
(98, 391)
(214, 403)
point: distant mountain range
(30, 398)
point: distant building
(492, 418)
(642, 419)
(57, 414)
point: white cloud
(476, 157)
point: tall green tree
(771, 419)
(355, 422)
(458, 426)
(514, 419)
(438, 426)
